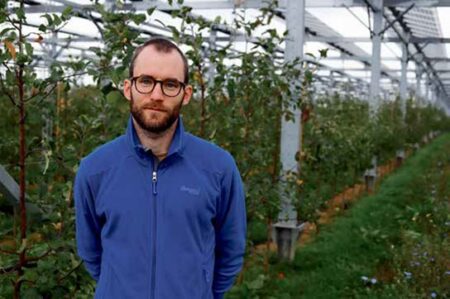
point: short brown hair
(163, 45)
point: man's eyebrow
(169, 78)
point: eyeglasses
(146, 84)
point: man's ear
(187, 94)
(127, 89)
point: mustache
(154, 107)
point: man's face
(156, 112)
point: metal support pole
(348, 84)
(427, 88)
(110, 5)
(400, 154)
(47, 129)
(370, 176)
(447, 108)
(374, 97)
(434, 96)
(212, 47)
(286, 229)
(443, 102)
(403, 80)
(376, 55)
(362, 91)
(331, 84)
(438, 98)
(418, 82)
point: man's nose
(157, 92)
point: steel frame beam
(337, 39)
(232, 4)
(404, 80)
(425, 60)
(245, 4)
(376, 55)
(290, 130)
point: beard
(152, 123)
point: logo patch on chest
(191, 191)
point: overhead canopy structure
(346, 27)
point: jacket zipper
(155, 192)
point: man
(160, 213)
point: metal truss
(410, 22)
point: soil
(338, 204)
(344, 200)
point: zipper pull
(154, 180)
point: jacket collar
(176, 145)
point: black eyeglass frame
(182, 85)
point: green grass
(381, 237)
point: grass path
(393, 244)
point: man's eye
(171, 84)
(146, 81)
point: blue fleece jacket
(168, 230)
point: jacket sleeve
(231, 225)
(88, 226)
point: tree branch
(6, 270)
(95, 21)
(70, 272)
(6, 65)
(44, 96)
(12, 22)
(5, 91)
(37, 258)
(8, 251)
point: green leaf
(114, 96)
(42, 28)
(22, 58)
(48, 18)
(258, 283)
(56, 20)
(175, 32)
(20, 13)
(151, 10)
(231, 89)
(323, 53)
(66, 12)
(138, 18)
(308, 76)
(30, 293)
(4, 31)
(29, 49)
